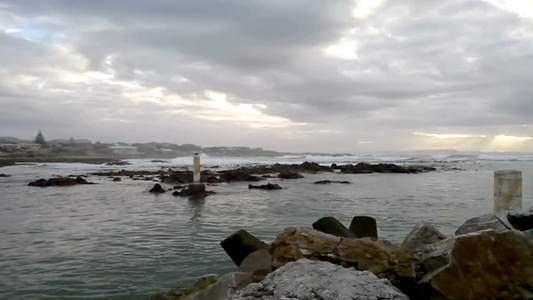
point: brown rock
(380, 257)
(421, 235)
(485, 265)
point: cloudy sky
(315, 75)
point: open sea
(114, 240)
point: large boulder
(488, 221)
(331, 225)
(306, 279)
(421, 235)
(364, 226)
(241, 244)
(521, 221)
(257, 261)
(380, 257)
(484, 265)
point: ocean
(114, 240)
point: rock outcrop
(306, 280)
(421, 235)
(4, 175)
(484, 265)
(488, 221)
(380, 257)
(60, 181)
(194, 191)
(268, 186)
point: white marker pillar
(507, 191)
(196, 169)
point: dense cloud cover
(347, 76)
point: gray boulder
(421, 235)
(306, 279)
(488, 221)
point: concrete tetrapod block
(363, 226)
(241, 244)
(331, 225)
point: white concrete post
(196, 169)
(507, 191)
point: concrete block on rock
(363, 226)
(241, 244)
(331, 225)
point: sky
(317, 75)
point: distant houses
(19, 147)
(125, 150)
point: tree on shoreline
(39, 139)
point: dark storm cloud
(420, 65)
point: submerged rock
(157, 189)
(306, 279)
(268, 186)
(332, 181)
(194, 191)
(421, 235)
(117, 179)
(482, 265)
(290, 175)
(241, 244)
(366, 168)
(380, 257)
(488, 221)
(118, 163)
(60, 181)
(4, 175)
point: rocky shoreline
(487, 258)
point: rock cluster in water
(259, 173)
(59, 181)
(483, 260)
